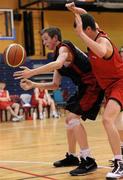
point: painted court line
(28, 173)
(104, 167)
(38, 162)
(19, 127)
(55, 174)
(28, 178)
(27, 162)
(42, 176)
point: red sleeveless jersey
(41, 93)
(41, 96)
(3, 93)
(107, 71)
(4, 104)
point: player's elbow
(56, 86)
(59, 65)
(102, 53)
(61, 59)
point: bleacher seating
(6, 74)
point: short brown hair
(52, 31)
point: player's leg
(11, 111)
(87, 163)
(71, 158)
(40, 108)
(119, 125)
(90, 102)
(53, 109)
(15, 108)
(111, 112)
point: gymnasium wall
(109, 22)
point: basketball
(14, 55)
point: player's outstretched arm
(24, 73)
(76, 10)
(27, 84)
(27, 73)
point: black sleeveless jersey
(86, 102)
(80, 65)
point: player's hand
(25, 73)
(26, 84)
(70, 6)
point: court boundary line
(28, 173)
(43, 176)
(26, 162)
(37, 162)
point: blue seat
(59, 100)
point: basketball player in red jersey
(108, 68)
(70, 61)
(6, 103)
(42, 98)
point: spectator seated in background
(42, 98)
(6, 103)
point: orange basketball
(14, 55)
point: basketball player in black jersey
(71, 62)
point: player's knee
(119, 123)
(16, 105)
(72, 123)
(106, 120)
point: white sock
(118, 157)
(54, 113)
(41, 114)
(85, 153)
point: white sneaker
(20, 117)
(41, 117)
(55, 115)
(117, 171)
(27, 105)
(15, 119)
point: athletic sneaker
(117, 171)
(86, 166)
(111, 162)
(20, 117)
(15, 119)
(55, 115)
(70, 160)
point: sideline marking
(27, 162)
(32, 174)
(41, 162)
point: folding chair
(59, 100)
(25, 105)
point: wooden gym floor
(28, 149)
